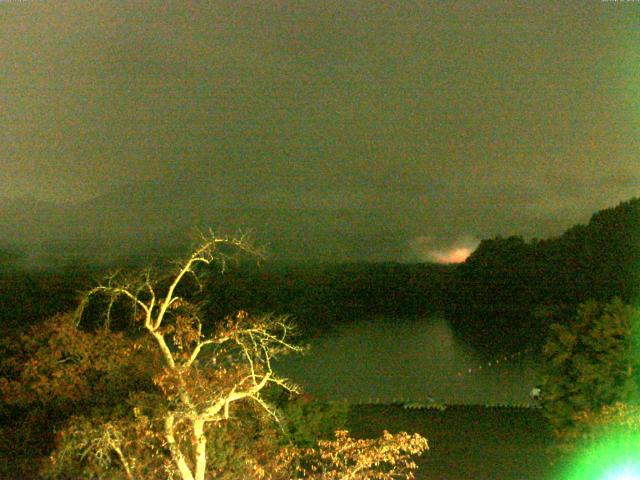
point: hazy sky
(483, 114)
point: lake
(386, 360)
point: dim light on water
(615, 457)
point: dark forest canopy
(508, 289)
(514, 289)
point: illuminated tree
(384, 458)
(178, 397)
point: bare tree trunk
(125, 464)
(166, 353)
(201, 449)
(176, 454)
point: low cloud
(425, 248)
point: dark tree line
(509, 291)
(322, 295)
(503, 298)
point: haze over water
(389, 360)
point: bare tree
(170, 399)
(201, 375)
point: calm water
(403, 360)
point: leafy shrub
(591, 363)
(239, 446)
(592, 428)
(609, 419)
(305, 420)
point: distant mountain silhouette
(300, 222)
(27, 221)
(159, 215)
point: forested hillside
(511, 289)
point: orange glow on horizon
(457, 255)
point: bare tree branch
(180, 341)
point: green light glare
(615, 457)
(623, 472)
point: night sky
(444, 122)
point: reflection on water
(402, 360)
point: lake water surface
(389, 360)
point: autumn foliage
(174, 394)
(384, 458)
(56, 360)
